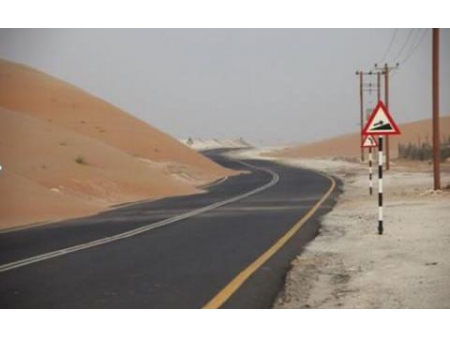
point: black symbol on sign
(380, 125)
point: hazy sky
(268, 86)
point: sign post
(380, 123)
(380, 184)
(369, 142)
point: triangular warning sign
(369, 142)
(380, 122)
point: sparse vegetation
(62, 144)
(80, 160)
(423, 151)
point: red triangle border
(364, 140)
(379, 105)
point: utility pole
(385, 71)
(386, 102)
(379, 150)
(378, 86)
(435, 89)
(361, 117)
(362, 89)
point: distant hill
(349, 145)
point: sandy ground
(208, 144)
(350, 266)
(67, 154)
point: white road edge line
(218, 182)
(213, 184)
(144, 228)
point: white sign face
(369, 142)
(380, 122)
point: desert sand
(350, 266)
(417, 132)
(65, 153)
(209, 144)
(37, 94)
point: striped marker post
(380, 185)
(370, 142)
(380, 123)
(370, 172)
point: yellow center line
(220, 298)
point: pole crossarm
(385, 67)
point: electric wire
(414, 38)
(424, 33)
(389, 46)
(404, 45)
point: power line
(390, 45)
(414, 38)
(424, 33)
(404, 44)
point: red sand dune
(65, 153)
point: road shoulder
(349, 265)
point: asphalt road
(131, 257)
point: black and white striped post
(370, 172)
(380, 185)
(370, 142)
(381, 124)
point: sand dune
(24, 201)
(35, 93)
(349, 145)
(49, 172)
(65, 153)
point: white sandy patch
(350, 266)
(209, 144)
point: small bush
(80, 160)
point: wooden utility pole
(361, 98)
(435, 89)
(385, 71)
(380, 226)
(386, 102)
(378, 86)
(361, 118)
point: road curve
(183, 252)
(141, 229)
